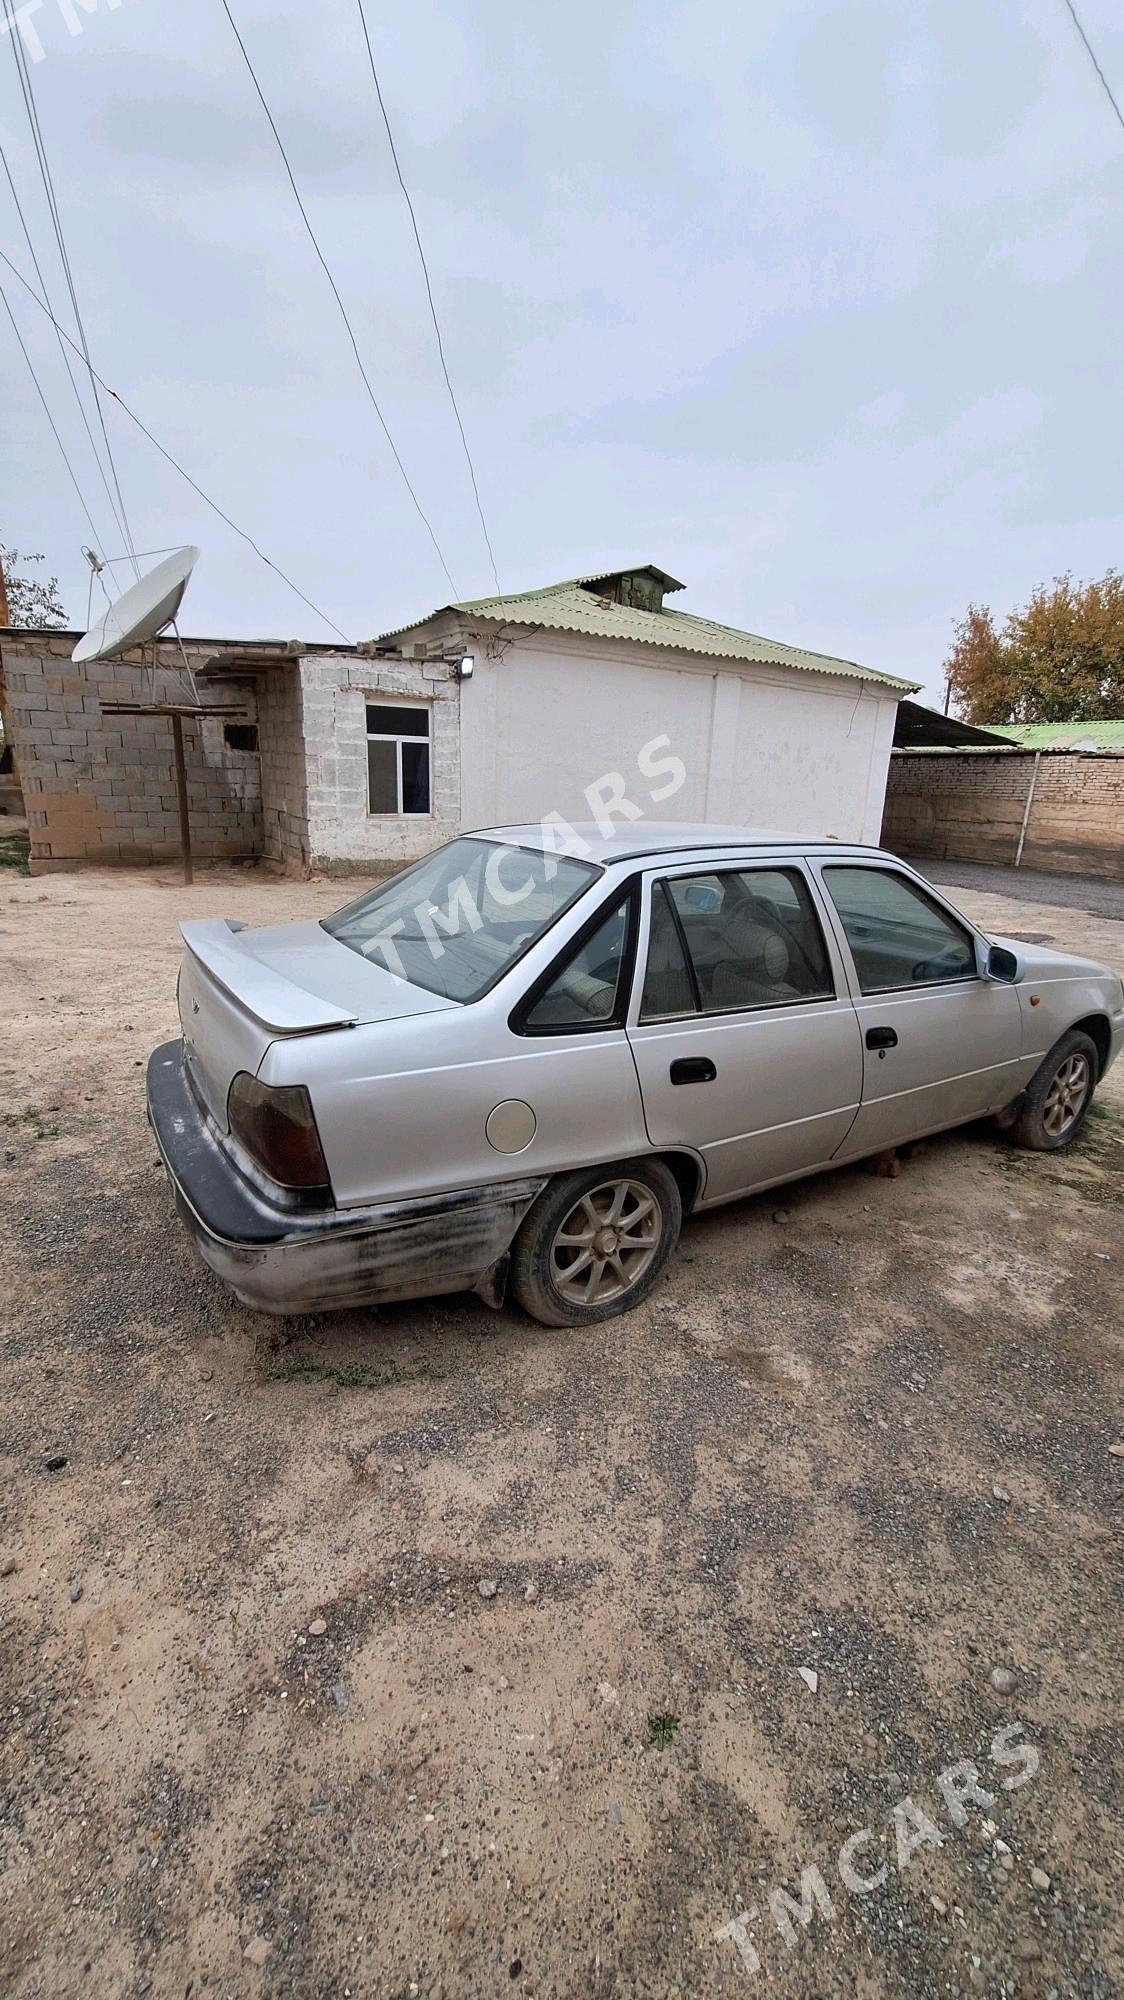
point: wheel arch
(1096, 1026)
(688, 1174)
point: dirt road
(757, 1551)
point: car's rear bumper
(284, 1259)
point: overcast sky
(817, 307)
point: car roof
(657, 837)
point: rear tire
(594, 1242)
(1058, 1095)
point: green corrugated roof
(567, 607)
(1063, 735)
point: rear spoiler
(276, 1002)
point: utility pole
(4, 619)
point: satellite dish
(144, 610)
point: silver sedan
(520, 1062)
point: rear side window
(584, 992)
(732, 940)
(897, 934)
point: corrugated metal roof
(1064, 735)
(919, 728)
(566, 607)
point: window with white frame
(398, 757)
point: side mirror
(1002, 964)
(703, 896)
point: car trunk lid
(242, 989)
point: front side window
(398, 752)
(584, 992)
(456, 921)
(734, 939)
(897, 934)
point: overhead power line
(326, 268)
(1105, 84)
(98, 542)
(28, 94)
(174, 462)
(47, 413)
(428, 292)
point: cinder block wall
(281, 742)
(969, 805)
(101, 788)
(343, 834)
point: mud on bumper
(281, 1258)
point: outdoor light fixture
(465, 666)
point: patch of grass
(16, 1120)
(354, 1375)
(15, 850)
(662, 1730)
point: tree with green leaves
(33, 601)
(1058, 658)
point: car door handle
(693, 1069)
(881, 1038)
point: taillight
(278, 1130)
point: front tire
(594, 1242)
(1058, 1095)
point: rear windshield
(456, 921)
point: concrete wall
(969, 806)
(763, 746)
(101, 788)
(342, 833)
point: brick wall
(969, 806)
(101, 788)
(343, 834)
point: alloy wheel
(1065, 1099)
(606, 1243)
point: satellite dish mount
(138, 617)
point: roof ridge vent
(644, 588)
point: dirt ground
(757, 1550)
